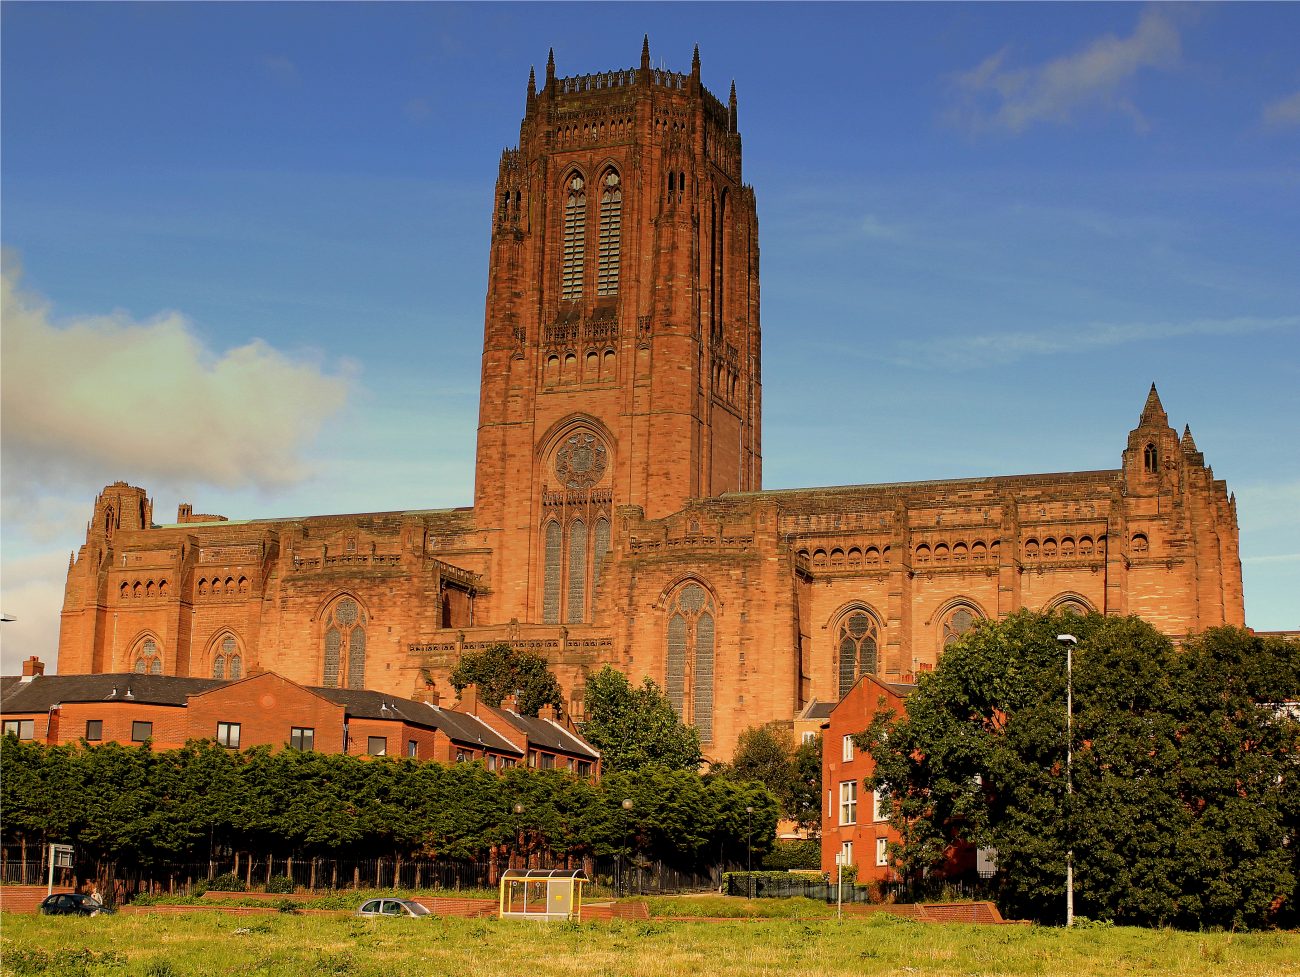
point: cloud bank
(994, 95)
(100, 394)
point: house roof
(462, 728)
(46, 691)
(817, 709)
(549, 735)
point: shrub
(229, 882)
(793, 854)
(281, 884)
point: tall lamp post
(627, 806)
(1068, 641)
(519, 810)
(749, 847)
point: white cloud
(994, 95)
(106, 395)
(1283, 113)
(992, 349)
(31, 590)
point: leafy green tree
(633, 726)
(1182, 774)
(806, 790)
(500, 670)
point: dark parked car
(72, 904)
(392, 907)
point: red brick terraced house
(269, 710)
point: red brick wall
(267, 707)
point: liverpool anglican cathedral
(619, 516)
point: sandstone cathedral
(619, 515)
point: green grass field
(284, 944)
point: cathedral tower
(621, 343)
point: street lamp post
(749, 848)
(627, 806)
(1069, 641)
(519, 810)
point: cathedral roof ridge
(315, 518)
(1101, 473)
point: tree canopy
(793, 774)
(500, 670)
(1185, 793)
(633, 726)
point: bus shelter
(541, 893)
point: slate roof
(817, 709)
(462, 728)
(45, 691)
(549, 735)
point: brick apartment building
(619, 516)
(269, 710)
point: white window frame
(881, 804)
(846, 749)
(846, 854)
(882, 852)
(848, 802)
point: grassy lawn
(270, 946)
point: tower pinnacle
(1153, 412)
(645, 53)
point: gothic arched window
(598, 555)
(957, 622)
(574, 256)
(577, 602)
(611, 229)
(228, 663)
(857, 644)
(1149, 459)
(689, 672)
(147, 659)
(551, 575)
(1072, 605)
(345, 628)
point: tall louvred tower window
(611, 229)
(575, 241)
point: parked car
(72, 904)
(392, 907)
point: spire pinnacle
(532, 82)
(1153, 412)
(731, 108)
(695, 62)
(550, 67)
(1189, 445)
(645, 53)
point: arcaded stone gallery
(619, 515)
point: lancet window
(957, 622)
(690, 654)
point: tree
(500, 670)
(636, 725)
(1182, 774)
(806, 792)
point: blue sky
(246, 247)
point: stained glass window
(958, 622)
(857, 644)
(598, 557)
(551, 576)
(577, 571)
(345, 627)
(690, 658)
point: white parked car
(392, 907)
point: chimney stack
(33, 667)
